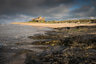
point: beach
(23, 43)
(54, 25)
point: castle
(39, 19)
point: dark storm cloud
(48, 7)
(51, 3)
(34, 7)
(33, 3)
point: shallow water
(15, 33)
(10, 34)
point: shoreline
(54, 25)
(63, 44)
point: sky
(23, 10)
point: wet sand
(55, 25)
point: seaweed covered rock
(74, 45)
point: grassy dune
(75, 21)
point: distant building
(39, 19)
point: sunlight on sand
(54, 25)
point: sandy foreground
(54, 25)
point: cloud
(34, 7)
(48, 7)
(15, 18)
(85, 11)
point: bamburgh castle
(39, 19)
